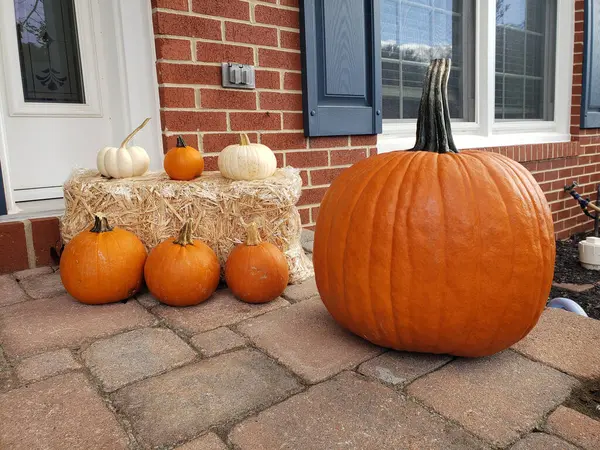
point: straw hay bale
(155, 208)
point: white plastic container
(589, 253)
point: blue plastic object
(567, 304)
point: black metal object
(3, 209)
(584, 203)
(597, 219)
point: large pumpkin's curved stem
(134, 132)
(185, 235)
(180, 142)
(434, 132)
(253, 237)
(100, 224)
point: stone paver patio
(226, 375)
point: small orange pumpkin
(256, 272)
(182, 271)
(103, 265)
(183, 162)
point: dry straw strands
(155, 208)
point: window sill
(391, 142)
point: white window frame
(485, 131)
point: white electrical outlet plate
(237, 76)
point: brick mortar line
(220, 87)
(233, 111)
(225, 41)
(195, 40)
(31, 259)
(224, 19)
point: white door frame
(137, 57)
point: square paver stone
(43, 286)
(62, 412)
(347, 412)
(399, 368)
(183, 403)
(36, 326)
(542, 441)
(28, 273)
(8, 380)
(566, 341)
(305, 338)
(209, 441)
(303, 291)
(575, 427)
(46, 365)
(217, 341)
(135, 355)
(220, 310)
(497, 398)
(10, 291)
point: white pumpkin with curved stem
(124, 162)
(247, 161)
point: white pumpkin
(247, 161)
(124, 162)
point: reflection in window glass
(413, 32)
(49, 51)
(525, 59)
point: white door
(65, 92)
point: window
(412, 34)
(525, 53)
(504, 78)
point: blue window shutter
(341, 56)
(590, 99)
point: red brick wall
(555, 165)
(192, 39)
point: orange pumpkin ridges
(103, 265)
(408, 254)
(256, 272)
(182, 271)
(183, 162)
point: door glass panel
(49, 51)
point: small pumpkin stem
(100, 224)
(434, 132)
(134, 132)
(180, 142)
(253, 237)
(244, 140)
(185, 235)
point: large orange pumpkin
(182, 271)
(103, 265)
(183, 162)
(256, 272)
(433, 250)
